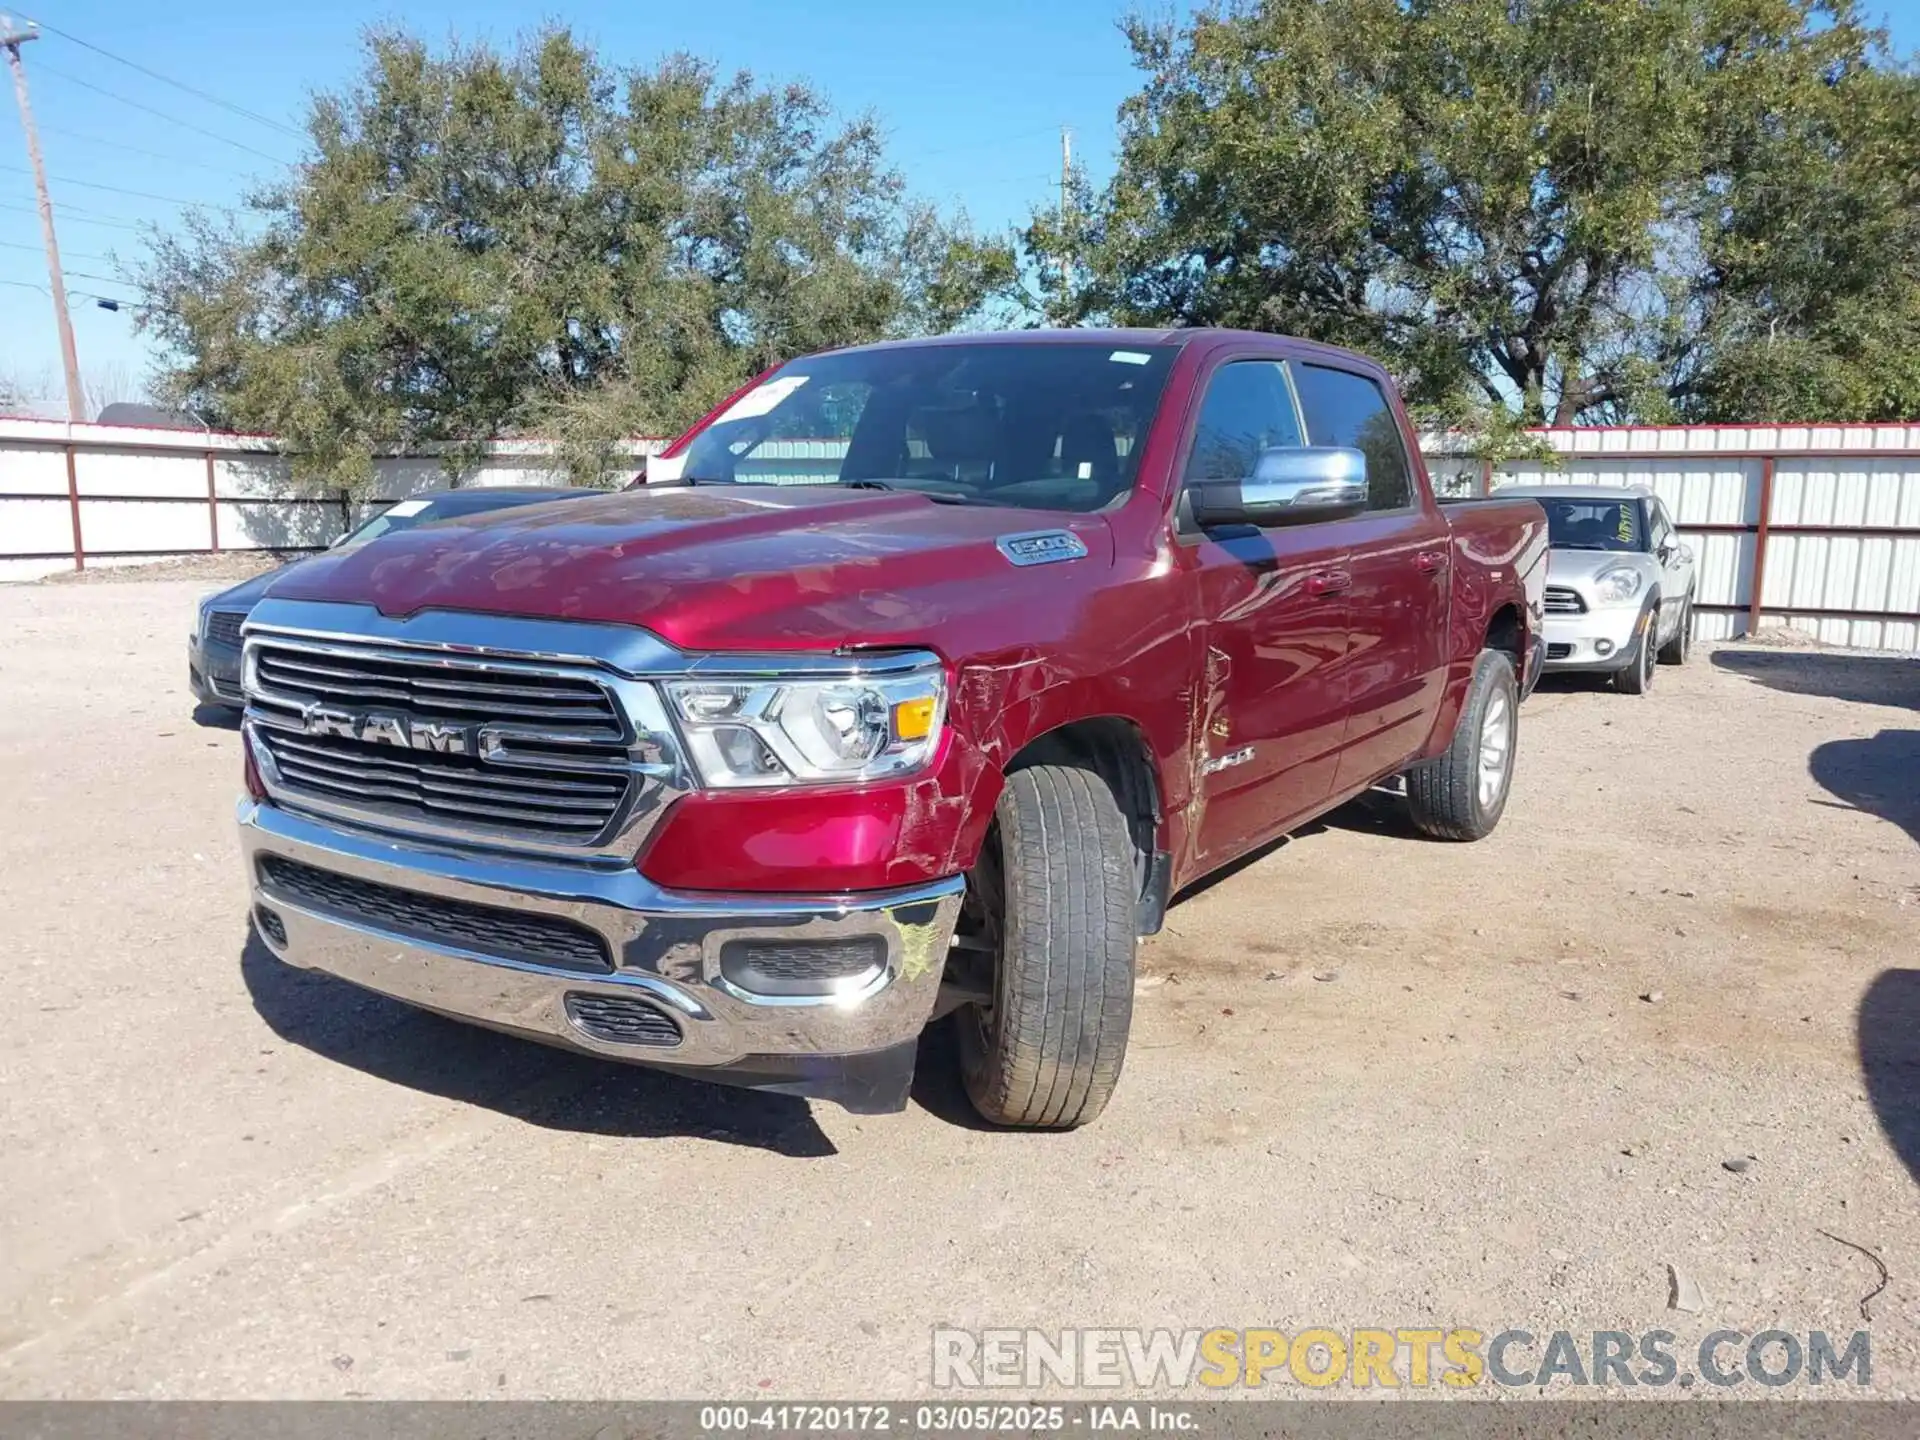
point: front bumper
(855, 1047)
(213, 671)
(1575, 642)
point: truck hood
(714, 568)
(1574, 566)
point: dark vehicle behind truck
(932, 673)
(213, 648)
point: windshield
(1594, 524)
(1052, 426)
(403, 516)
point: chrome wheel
(1496, 749)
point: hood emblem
(1041, 547)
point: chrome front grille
(1562, 601)
(496, 748)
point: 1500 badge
(1041, 547)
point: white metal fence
(92, 495)
(1813, 526)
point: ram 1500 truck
(934, 671)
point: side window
(1248, 408)
(1342, 408)
(1660, 531)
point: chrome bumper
(665, 947)
(1573, 640)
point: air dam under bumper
(413, 923)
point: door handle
(1430, 562)
(1328, 582)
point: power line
(181, 85)
(81, 217)
(123, 190)
(78, 255)
(44, 69)
(138, 150)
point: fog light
(1603, 647)
(270, 924)
(803, 967)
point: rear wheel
(1050, 909)
(1637, 677)
(1461, 795)
(1674, 652)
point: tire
(1054, 899)
(1637, 677)
(1446, 795)
(1674, 652)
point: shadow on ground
(554, 1089)
(216, 717)
(1574, 682)
(1873, 773)
(1861, 679)
(1879, 774)
(1888, 1026)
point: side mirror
(1287, 487)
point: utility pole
(1066, 182)
(12, 36)
(1066, 171)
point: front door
(1399, 562)
(1271, 607)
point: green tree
(483, 244)
(1532, 209)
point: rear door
(1271, 611)
(1399, 565)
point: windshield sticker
(1626, 524)
(1130, 357)
(407, 507)
(761, 399)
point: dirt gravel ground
(1375, 1081)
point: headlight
(812, 731)
(1612, 586)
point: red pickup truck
(931, 673)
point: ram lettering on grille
(495, 748)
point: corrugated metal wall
(1838, 554)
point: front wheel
(1637, 677)
(1461, 795)
(1674, 652)
(1050, 908)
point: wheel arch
(1117, 749)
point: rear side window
(1248, 408)
(1342, 408)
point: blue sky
(972, 94)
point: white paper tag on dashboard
(406, 508)
(763, 398)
